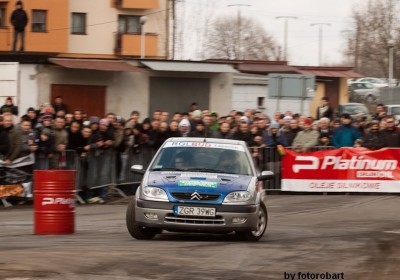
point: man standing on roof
(19, 20)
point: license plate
(195, 211)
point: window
(78, 23)
(2, 16)
(260, 102)
(39, 19)
(129, 24)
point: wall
(28, 87)
(9, 72)
(102, 22)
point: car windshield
(355, 109)
(214, 158)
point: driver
(228, 162)
(183, 160)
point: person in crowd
(59, 105)
(214, 124)
(346, 134)
(292, 132)
(78, 116)
(173, 130)
(161, 135)
(9, 107)
(306, 139)
(32, 114)
(58, 159)
(28, 138)
(164, 117)
(46, 142)
(14, 139)
(74, 136)
(324, 109)
(200, 129)
(325, 132)
(184, 127)
(19, 20)
(4, 141)
(223, 132)
(243, 133)
(390, 135)
(379, 112)
(373, 139)
(273, 138)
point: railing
(110, 170)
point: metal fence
(109, 171)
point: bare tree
(373, 27)
(241, 38)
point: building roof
(95, 64)
(187, 66)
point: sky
(303, 39)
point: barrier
(54, 201)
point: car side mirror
(266, 175)
(138, 168)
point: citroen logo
(195, 195)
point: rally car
(200, 185)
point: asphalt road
(338, 236)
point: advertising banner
(342, 170)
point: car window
(355, 109)
(200, 158)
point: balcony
(135, 4)
(130, 45)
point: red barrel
(54, 201)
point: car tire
(256, 235)
(138, 232)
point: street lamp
(142, 21)
(391, 46)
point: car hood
(203, 183)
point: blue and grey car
(200, 185)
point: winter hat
(196, 114)
(94, 120)
(199, 122)
(184, 122)
(47, 117)
(9, 98)
(288, 118)
(31, 109)
(346, 116)
(104, 122)
(308, 121)
(274, 125)
(244, 119)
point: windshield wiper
(210, 170)
(166, 169)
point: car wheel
(262, 222)
(138, 232)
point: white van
(393, 110)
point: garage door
(176, 94)
(90, 99)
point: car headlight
(239, 196)
(154, 193)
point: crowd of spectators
(50, 130)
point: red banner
(342, 170)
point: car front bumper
(163, 217)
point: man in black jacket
(19, 20)
(390, 135)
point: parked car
(393, 110)
(355, 110)
(200, 185)
(363, 91)
(375, 81)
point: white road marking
(393, 231)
